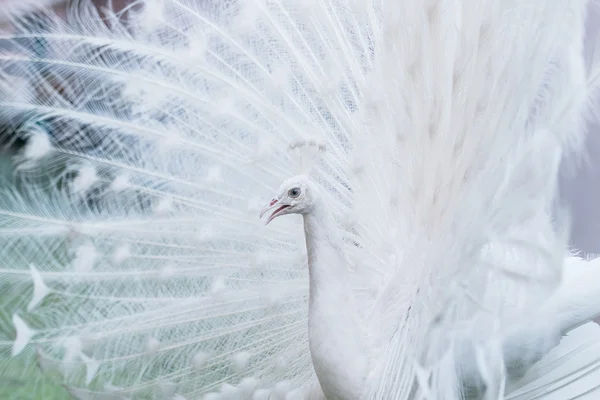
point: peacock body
(419, 142)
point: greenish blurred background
(19, 379)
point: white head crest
(306, 153)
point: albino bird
(419, 141)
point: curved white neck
(337, 346)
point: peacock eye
(293, 193)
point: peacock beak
(273, 205)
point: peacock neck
(326, 260)
(337, 345)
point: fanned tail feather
(133, 261)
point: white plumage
(134, 264)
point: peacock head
(297, 195)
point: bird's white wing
(472, 107)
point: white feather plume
(133, 260)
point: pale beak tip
(268, 207)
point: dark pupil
(295, 192)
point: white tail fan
(133, 264)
